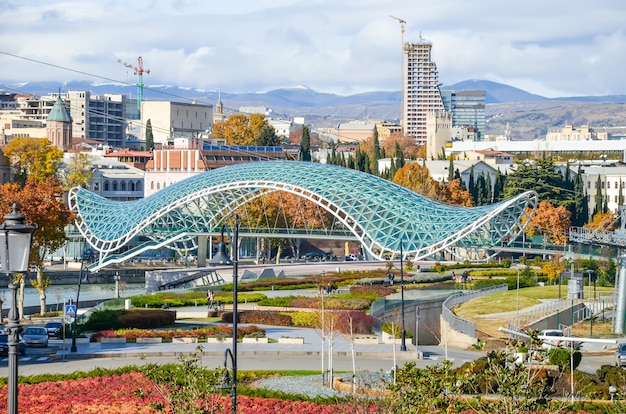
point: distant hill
(529, 116)
(496, 92)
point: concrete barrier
(254, 340)
(185, 340)
(113, 340)
(156, 340)
(296, 341)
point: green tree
(149, 136)
(305, 145)
(580, 215)
(599, 205)
(544, 178)
(451, 169)
(377, 153)
(268, 137)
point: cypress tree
(149, 136)
(598, 199)
(451, 169)
(376, 154)
(305, 145)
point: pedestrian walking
(210, 296)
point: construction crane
(604, 236)
(139, 71)
(402, 24)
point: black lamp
(222, 258)
(15, 241)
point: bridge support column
(346, 249)
(621, 296)
(202, 247)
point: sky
(553, 48)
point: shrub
(103, 319)
(265, 318)
(361, 322)
(332, 303)
(561, 358)
(373, 292)
(282, 301)
(387, 328)
(305, 319)
(146, 319)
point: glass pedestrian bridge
(385, 218)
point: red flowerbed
(108, 394)
(136, 394)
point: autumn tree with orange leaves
(602, 221)
(41, 203)
(281, 209)
(552, 223)
(417, 178)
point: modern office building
(421, 89)
(468, 110)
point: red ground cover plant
(134, 393)
(107, 394)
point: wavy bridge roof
(383, 216)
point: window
(106, 186)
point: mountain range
(529, 116)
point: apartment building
(569, 133)
(175, 119)
(421, 89)
(95, 117)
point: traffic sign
(70, 310)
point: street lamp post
(117, 284)
(14, 259)
(221, 258)
(517, 306)
(403, 344)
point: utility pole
(402, 25)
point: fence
(459, 324)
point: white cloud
(552, 48)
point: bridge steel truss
(384, 217)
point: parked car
(313, 256)
(4, 345)
(36, 336)
(353, 258)
(620, 355)
(54, 328)
(552, 343)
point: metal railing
(463, 325)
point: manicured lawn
(484, 310)
(507, 301)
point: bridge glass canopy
(383, 216)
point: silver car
(36, 336)
(620, 355)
